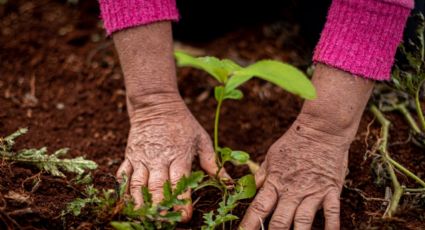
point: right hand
(164, 138)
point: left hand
(303, 171)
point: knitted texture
(123, 14)
(362, 36)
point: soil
(60, 77)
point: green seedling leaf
(173, 217)
(283, 75)
(236, 80)
(126, 226)
(245, 187)
(240, 156)
(225, 154)
(147, 196)
(218, 92)
(234, 94)
(219, 69)
(167, 190)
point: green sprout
(230, 76)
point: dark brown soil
(60, 77)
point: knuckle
(332, 210)
(280, 221)
(259, 207)
(305, 218)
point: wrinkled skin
(162, 144)
(304, 170)
(164, 136)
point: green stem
(216, 122)
(406, 171)
(398, 190)
(418, 106)
(402, 108)
(415, 190)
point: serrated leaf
(219, 69)
(147, 196)
(10, 140)
(245, 187)
(240, 156)
(281, 74)
(234, 94)
(172, 217)
(167, 192)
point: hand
(304, 170)
(163, 140)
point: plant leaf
(237, 80)
(240, 156)
(281, 74)
(219, 69)
(245, 187)
(167, 190)
(234, 94)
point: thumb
(207, 157)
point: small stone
(60, 106)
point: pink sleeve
(123, 14)
(362, 36)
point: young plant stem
(402, 108)
(398, 190)
(216, 122)
(418, 106)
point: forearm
(341, 99)
(146, 56)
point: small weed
(52, 164)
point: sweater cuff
(362, 36)
(122, 14)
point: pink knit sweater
(360, 36)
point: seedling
(408, 78)
(110, 203)
(51, 164)
(230, 76)
(409, 75)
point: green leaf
(245, 187)
(237, 80)
(234, 94)
(219, 69)
(240, 156)
(218, 92)
(225, 154)
(283, 75)
(167, 190)
(173, 217)
(147, 196)
(126, 226)
(16, 134)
